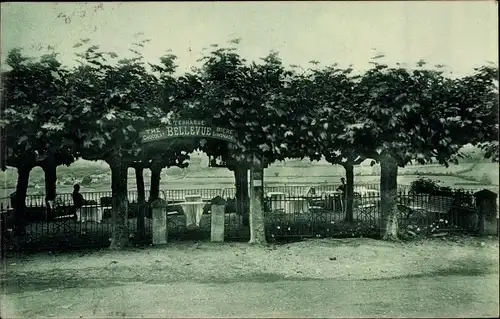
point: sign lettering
(188, 128)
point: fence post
(159, 214)
(217, 211)
(488, 210)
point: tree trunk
(349, 171)
(141, 202)
(242, 198)
(389, 199)
(119, 217)
(257, 221)
(50, 169)
(154, 193)
(23, 175)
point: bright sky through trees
(458, 34)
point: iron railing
(325, 215)
(179, 194)
(290, 212)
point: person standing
(343, 189)
(78, 200)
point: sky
(459, 34)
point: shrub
(430, 187)
(276, 174)
(423, 185)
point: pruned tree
(34, 93)
(336, 109)
(245, 97)
(414, 115)
(155, 159)
(112, 103)
(474, 109)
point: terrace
(290, 212)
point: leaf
(264, 147)
(86, 109)
(55, 75)
(421, 63)
(378, 56)
(355, 126)
(22, 139)
(87, 143)
(53, 126)
(110, 115)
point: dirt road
(317, 278)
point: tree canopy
(96, 110)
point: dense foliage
(96, 110)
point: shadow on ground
(112, 276)
(458, 269)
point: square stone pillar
(486, 202)
(217, 211)
(159, 214)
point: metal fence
(325, 215)
(290, 212)
(62, 226)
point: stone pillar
(217, 211)
(159, 214)
(486, 202)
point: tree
(474, 103)
(176, 96)
(155, 159)
(34, 94)
(335, 106)
(246, 98)
(242, 193)
(141, 199)
(415, 115)
(176, 154)
(49, 164)
(114, 101)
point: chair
(107, 206)
(62, 223)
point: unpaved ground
(80, 284)
(318, 258)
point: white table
(296, 206)
(193, 198)
(89, 213)
(193, 212)
(278, 200)
(331, 193)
